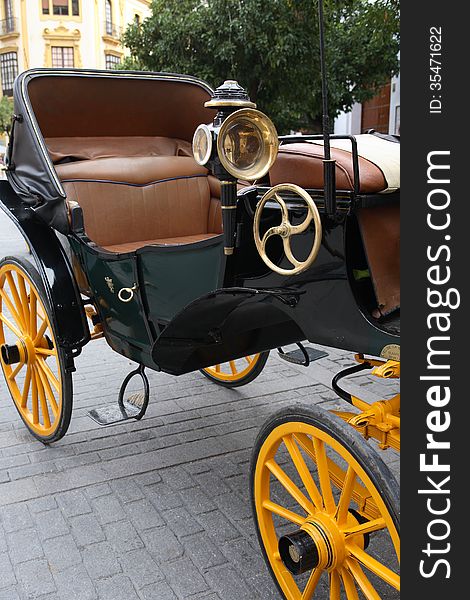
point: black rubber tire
(66, 377)
(363, 452)
(251, 376)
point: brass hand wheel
(286, 230)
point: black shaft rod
(228, 200)
(329, 166)
(324, 86)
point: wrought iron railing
(9, 25)
(112, 30)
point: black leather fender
(227, 324)
(54, 268)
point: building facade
(381, 113)
(63, 33)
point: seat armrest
(75, 216)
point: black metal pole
(228, 200)
(329, 165)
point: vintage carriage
(167, 218)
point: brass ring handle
(285, 230)
(130, 291)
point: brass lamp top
(230, 93)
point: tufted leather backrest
(139, 197)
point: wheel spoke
(10, 325)
(296, 229)
(349, 586)
(33, 317)
(42, 398)
(15, 371)
(288, 251)
(369, 527)
(233, 367)
(303, 471)
(285, 513)
(375, 566)
(49, 392)
(13, 311)
(290, 486)
(41, 332)
(335, 586)
(284, 209)
(360, 493)
(311, 584)
(271, 231)
(217, 368)
(24, 301)
(248, 359)
(34, 396)
(49, 374)
(324, 475)
(16, 298)
(346, 496)
(26, 386)
(46, 352)
(363, 582)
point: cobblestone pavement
(151, 510)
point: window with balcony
(108, 17)
(112, 61)
(8, 71)
(62, 57)
(61, 8)
(7, 9)
(8, 24)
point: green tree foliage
(6, 113)
(271, 48)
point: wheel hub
(298, 552)
(319, 543)
(11, 354)
(23, 351)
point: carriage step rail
(302, 356)
(134, 406)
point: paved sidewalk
(151, 510)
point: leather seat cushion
(140, 170)
(136, 200)
(302, 163)
(90, 148)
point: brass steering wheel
(286, 229)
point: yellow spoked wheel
(235, 373)
(326, 509)
(32, 362)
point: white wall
(349, 123)
(394, 121)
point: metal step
(302, 356)
(110, 414)
(133, 407)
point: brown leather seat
(89, 148)
(135, 201)
(302, 163)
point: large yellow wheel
(236, 373)
(32, 362)
(326, 509)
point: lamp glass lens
(202, 144)
(243, 144)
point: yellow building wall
(32, 35)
